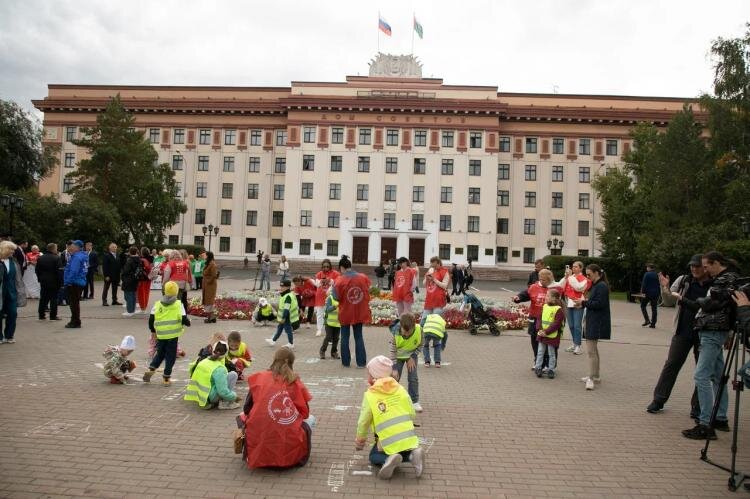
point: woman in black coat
(130, 280)
(598, 321)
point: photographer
(743, 318)
(686, 289)
(714, 321)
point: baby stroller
(478, 316)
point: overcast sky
(625, 47)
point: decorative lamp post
(11, 203)
(555, 246)
(211, 231)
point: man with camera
(686, 290)
(743, 319)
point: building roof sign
(395, 66)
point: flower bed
(240, 305)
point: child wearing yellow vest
(549, 329)
(434, 332)
(406, 343)
(239, 354)
(288, 315)
(264, 313)
(387, 409)
(333, 326)
(166, 322)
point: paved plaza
(491, 428)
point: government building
(376, 167)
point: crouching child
(239, 353)
(406, 343)
(117, 365)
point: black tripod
(731, 366)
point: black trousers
(107, 285)
(198, 282)
(654, 305)
(89, 291)
(166, 351)
(74, 300)
(332, 337)
(48, 298)
(678, 352)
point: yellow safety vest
(265, 311)
(434, 325)
(332, 316)
(168, 321)
(200, 382)
(406, 346)
(288, 302)
(392, 420)
(240, 353)
(548, 317)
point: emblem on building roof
(395, 66)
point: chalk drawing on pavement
(56, 427)
(167, 420)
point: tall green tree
(123, 172)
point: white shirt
(7, 264)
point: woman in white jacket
(574, 285)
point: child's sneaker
(289, 346)
(577, 350)
(390, 465)
(551, 374)
(437, 365)
(270, 342)
(224, 405)
(318, 333)
(322, 355)
(166, 382)
(427, 364)
(147, 375)
(538, 372)
(335, 356)
(417, 407)
(417, 459)
(570, 348)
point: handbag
(238, 440)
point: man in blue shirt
(75, 281)
(650, 290)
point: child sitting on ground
(386, 405)
(406, 343)
(239, 354)
(548, 333)
(333, 326)
(117, 365)
(264, 313)
(206, 352)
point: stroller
(478, 316)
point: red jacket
(326, 280)
(306, 292)
(537, 295)
(435, 296)
(179, 270)
(403, 283)
(352, 290)
(274, 436)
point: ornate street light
(11, 203)
(211, 231)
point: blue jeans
(543, 349)
(429, 311)
(575, 321)
(129, 301)
(708, 373)
(359, 346)
(265, 278)
(286, 327)
(411, 377)
(437, 346)
(378, 457)
(10, 314)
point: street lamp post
(555, 246)
(745, 226)
(211, 231)
(11, 202)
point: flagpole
(413, 17)
(378, 32)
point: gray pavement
(492, 429)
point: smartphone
(567, 267)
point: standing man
(265, 272)
(20, 255)
(534, 276)
(111, 270)
(650, 290)
(75, 281)
(49, 281)
(88, 293)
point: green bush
(615, 270)
(739, 251)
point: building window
(363, 192)
(473, 224)
(501, 254)
(611, 147)
(280, 137)
(390, 192)
(199, 241)
(332, 247)
(230, 137)
(226, 217)
(584, 174)
(307, 190)
(531, 144)
(227, 190)
(228, 164)
(334, 219)
(503, 172)
(365, 136)
(417, 194)
(253, 164)
(256, 137)
(583, 228)
(503, 198)
(280, 166)
(475, 168)
(529, 172)
(250, 246)
(529, 199)
(446, 194)
(337, 135)
(583, 200)
(475, 140)
(363, 164)
(557, 173)
(172, 240)
(420, 138)
(275, 246)
(304, 246)
(391, 165)
(278, 192)
(67, 184)
(504, 144)
(446, 167)
(447, 140)
(444, 251)
(334, 191)
(204, 136)
(308, 162)
(529, 255)
(417, 221)
(389, 220)
(472, 252)
(557, 199)
(360, 221)
(556, 228)
(474, 195)
(202, 163)
(308, 134)
(251, 218)
(201, 189)
(277, 219)
(200, 216)
(502, 226)
(305, 218)
(153, 135)
(178, 185)
(558, 146)
(391, 137)
(224, 244)
(177, 162)
(583, 252)
(70, 160)
(179, 136)
(420, 166)
(336, 163)
(252, 191)
(584, 147)
(529, 226)
(445, 223)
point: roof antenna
(555, 89)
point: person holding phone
(574, 284)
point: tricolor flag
(383, 25)
(418, 28)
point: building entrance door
(387, 249)
(416, 251)
(359, 249)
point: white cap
(262, 302)
(128, 343)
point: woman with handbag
(12, 291)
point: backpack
(140, 272)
